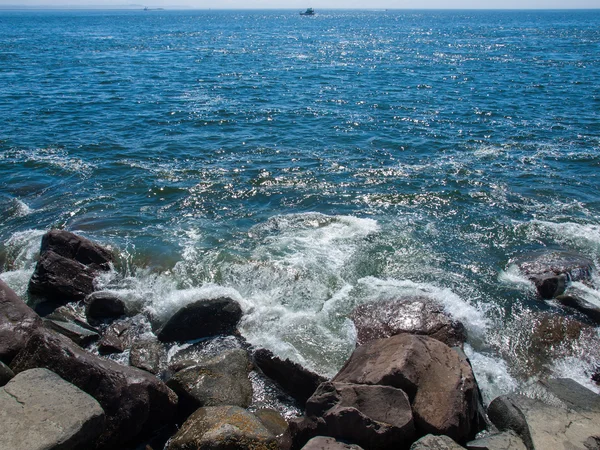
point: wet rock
(586, 308)
(17, 322)
(565, 415)
(103, 305)
(40, 410)
(110, 344)
(203, 318)
(5, 374)
(439, 382)
(133, 400)
(552, 271)
(411, 315)
(277, 426)
(67, 267)
(121, 334)
(223, 427)
(218, 381)
(370, 416)
(78, 334)
(431, 442)
(147, 354)
(294, 379)
(506, 440)
(328, 443)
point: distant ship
(308, 12)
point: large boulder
(506, 440)
(294, 379)
(371, 416)
(551, 271)
(222, 380)
(564, 415)
(432, 442)
(417, 315)
(223, 428)
(438, 380)
(328, 443)
(147, 353)
(134, 401)
(17, 322)
(103, 305)
(202, 318)
(588, 309)
(39, 410)
(67, 267)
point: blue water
(305, 165)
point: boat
(308, 12)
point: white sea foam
(22, 209)
(576, 369)
(55, 157)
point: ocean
(306, 165)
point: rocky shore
(80, 371)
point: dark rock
(223, 427)
(294, 379)
(77, 248)
(431, 442)
(328, 443)
(134, 401)
(121, 334)
(81, 336)
(17, 322)
(506, 440)
(371, 416)
(551, 271)
(67, 267)
(418, 315)
(103, 305)
(277, 426)
(565, 416)
(109, 344)
(72, 312)
(438, 381)
(203, 318)
(147, 354)
(219, 381)
(5, 374)
(39, 410)
(589, 310)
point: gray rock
(506, 440)
(5, 374)
(223, 428)
(134, 401)
(17, 322)
(103, 305)
(219, 381)
(431, 442)
(146, 354)
(413, 315)
(40, 410)
(565, 415)
(551, 271)
(81, 336)
(328, 443)
(203, 318)
(439, 382)
(370, 416)
(294, 379)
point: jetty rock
(551, 271)
(67, 266)
(133, 400)
(39, 410)
(17, 322)
(413, 315)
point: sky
(317, 4)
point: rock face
(146, 354)
(133, 400)
(551, 271)
(431, 442)
(568, 417)
(203, 318)
(17, 322)
(67, 266)
(439, 382)
(293, 378)
(40, 410)
(327, 443)
(103, 305)
(411, 315)
(218, 381)
(371, 416)
(223, 427)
